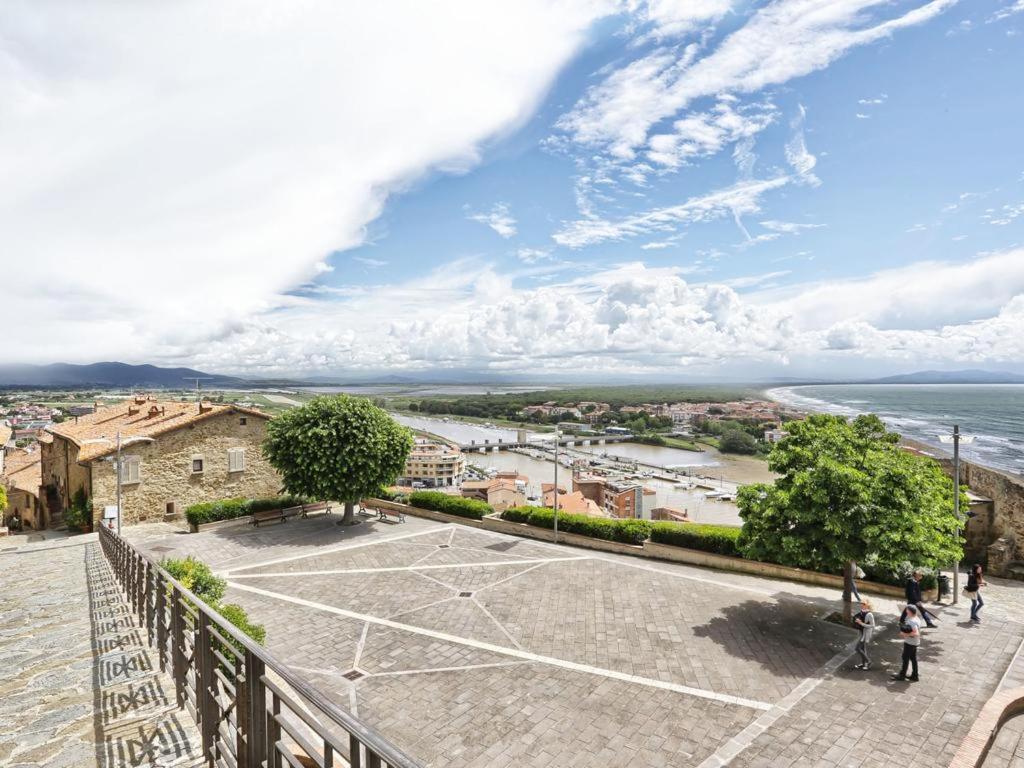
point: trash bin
(944, 589)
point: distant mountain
(952, 377)
(108, 375)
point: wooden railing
(250, 708)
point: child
(974, 584)
(865, 622)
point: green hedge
(228, 509)
(627, 531)
(720, 539)
(452, 505)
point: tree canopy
(3, 498)
(337, 447)
(849, 493)
(735, 441)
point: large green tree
(848, 493)
(337, 447)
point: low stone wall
(652, 550)
(997, 710)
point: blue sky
(698, 188)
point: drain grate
(442, 546)
(503, 546)
(353, 674)
(465, 594)
(162, 548)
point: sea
(991, 414)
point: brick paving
(78, 685)
(478, 649)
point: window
(197, 465)
(130, 466)
(236, 459)
(242, 420)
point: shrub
(79, 512)
(452, 505)
(720, 539)
(196, 576)
(236, 615)
(228, 509)
(628, 531)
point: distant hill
(108, 375)
(952, 377)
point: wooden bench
(267, 516)
(322, 506)
(383, 512)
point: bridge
(483, 446)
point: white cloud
(875, 100)
(1006, 11)
(498, 218)
(707, 133)
(1002, 216)
(799, 159)
(368, 262)
(862, 116)
(780, 42)
(917, 228)
(166, 157)
(674, 18)
(739, 199)
(788, 227)
(532, 255)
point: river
(539, 470)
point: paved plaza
(472, 648)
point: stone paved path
(78, 685)
(474, 649)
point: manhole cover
(162, 549)
(465, 594)
(442, 546)
(354, 674)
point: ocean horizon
(993, 414)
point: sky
(581, 188)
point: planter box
(218, 524)
(495, 523)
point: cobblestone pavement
(1008, 749)
(77, 685)
(469, 648)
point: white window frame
(236, 460)
(131, 470)
(192, 464)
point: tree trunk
(848, 575)
(349, 517)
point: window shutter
(236, 459)
(130, 469)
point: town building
(504, 490)
(774, 435)
(572, 503)
(174, 454)
(618, 498)
(21, 477)
(433, 464)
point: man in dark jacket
(912, 590)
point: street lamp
(555, 489)
(956, 438)
(117, 466)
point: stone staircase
(80, 686)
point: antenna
(197, 379)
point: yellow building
(432, 464)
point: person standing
(910, 631)
(975, 581)
(865, 622)
(912, 590)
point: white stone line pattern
(421, 607)
(523, 572)
(526, 655)
(392, 569)
(497, 623)
(339, 548)
(398, 672)
(701, 579)
(360, 645)
(728, 751)
(430, 578)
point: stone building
(21, 478)
(173, 455)
(433, 464)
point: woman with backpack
(865, 622)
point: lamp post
(119, 443)
(956, 438)
(555, 489)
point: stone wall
(996, 533)
(166, 476)
(27, 507)
(61, 469)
